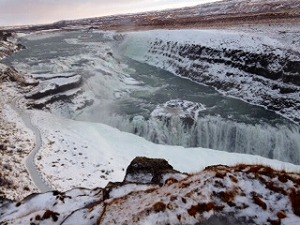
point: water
(129, 92)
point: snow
(53, 84)
(74, 199)
(90, 155)
(127, 188)
(16, 142)
(215, 187)
(2, 67)
(217, 39)
(217, 195)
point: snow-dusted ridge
(241, 194)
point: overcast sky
(21, 12)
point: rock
(10, 74)
(54, 86)
(225, 220)
(146, 170)
(217, 195)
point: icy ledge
(241, 194)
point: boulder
(145, 170)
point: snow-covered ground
(218, 195)
(16, 142)
(90, 155)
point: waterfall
(276, 142)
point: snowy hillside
(217, 195)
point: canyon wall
(254, 67)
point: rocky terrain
(154, 193)
(8, 44)
(16, 141)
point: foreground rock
(145, 170)
(228, 195)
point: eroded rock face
(267, 79)
(8, 44)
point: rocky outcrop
(218, 195)
(54, 86)
(10, 74)
(8, 44)
(56, 89)
(149, 171)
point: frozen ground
(16, 142)
(90, 154)
(218, 195)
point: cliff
(260, 68)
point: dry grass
(159, 207)
(295, 201)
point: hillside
(217, 14)
(156, 194)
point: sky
(25, 12)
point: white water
(278, 142)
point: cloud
(17, 12)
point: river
(225, 123)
